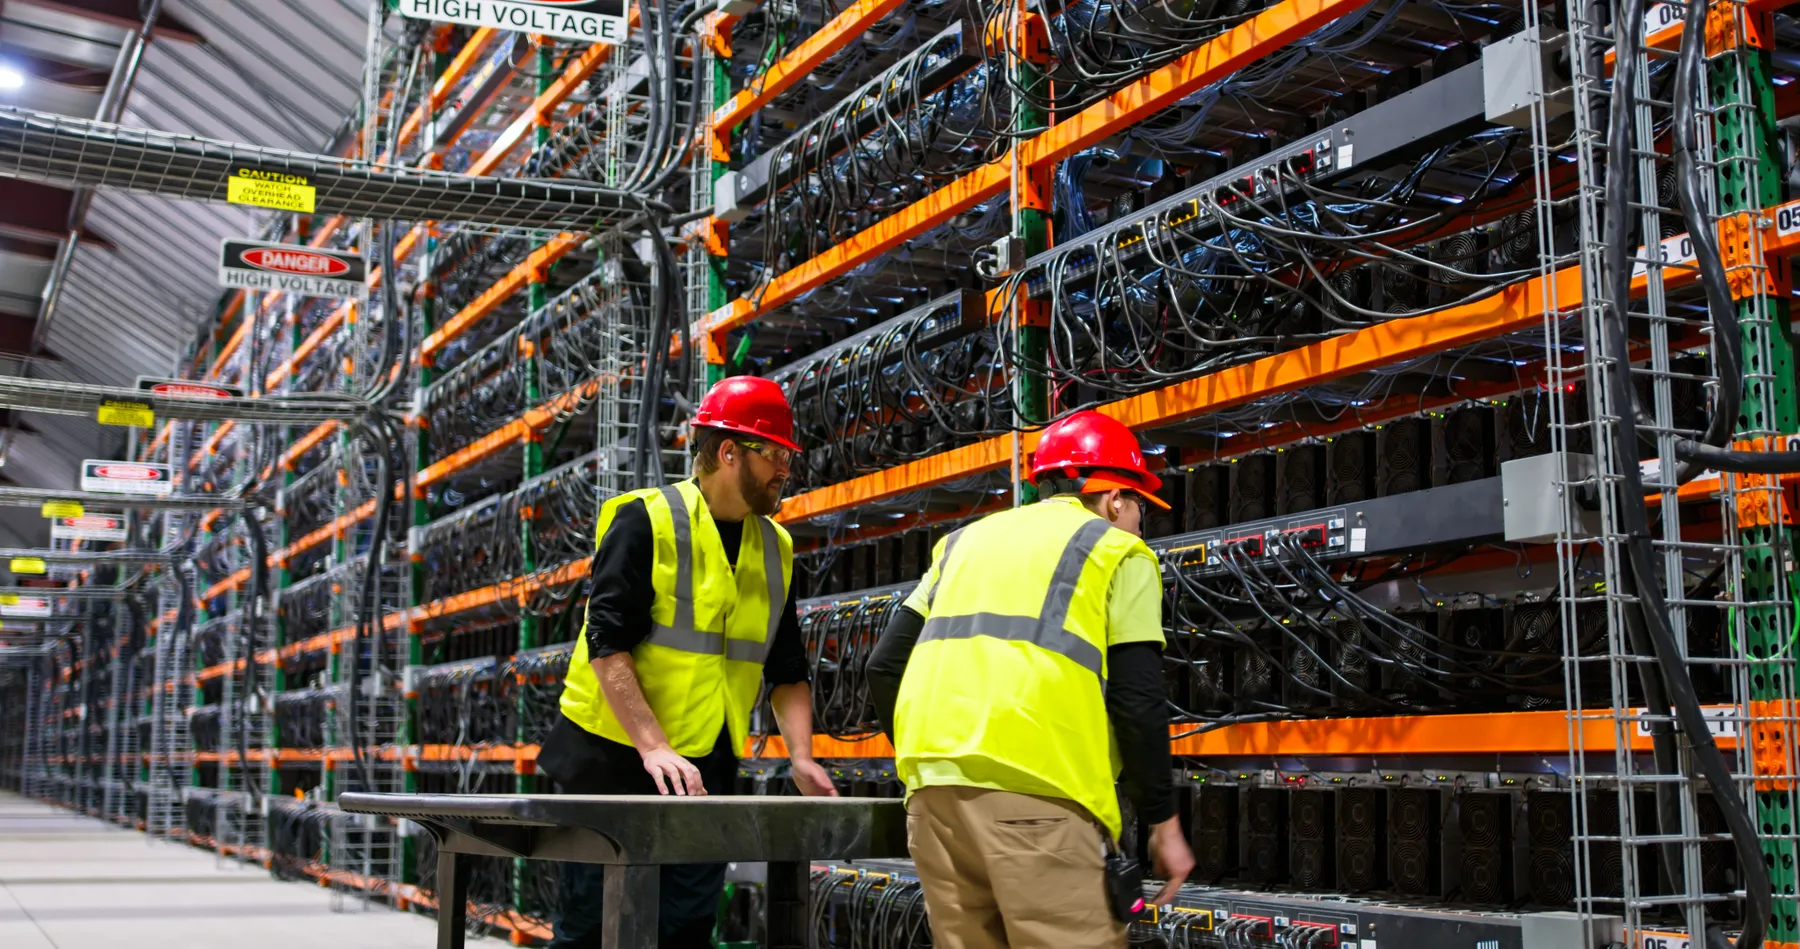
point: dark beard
(763, 498)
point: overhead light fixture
(11, 78)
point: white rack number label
(1787, 219)
(1662, 16)
(1673, 251)
(1663, 941)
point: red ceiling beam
(124, 15)
(33, 211)
(53, 70)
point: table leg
(453, 898)
(790, 904)
(630, 908)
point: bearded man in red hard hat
(1016, 680)
(689, 613)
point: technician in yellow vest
(689, 613)
(1019, 676)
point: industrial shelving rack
(308, 654)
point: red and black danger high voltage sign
(290, 268)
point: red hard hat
(1089, 440)
(750, 405)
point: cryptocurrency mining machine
(1461, 330)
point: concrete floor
(72, 882)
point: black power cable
(252, 623)
(1647, 613)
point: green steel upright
(1750, 178)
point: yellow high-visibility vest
(711, 625)
(1006, 687)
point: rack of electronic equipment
(1445, 318)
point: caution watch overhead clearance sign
(271, 188)
(592, 21)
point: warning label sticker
(127, 477)
(32, 565)
(90, 527)
(267, 188)
(62, 509)
(126, 413)
(288, 268)
(15, 605)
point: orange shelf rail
(1515, 308)
(573, 75)
(306, 443)
(454, 73)
(1541, 732)
(529, 270)
(510, 433)
(796, 65)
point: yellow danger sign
(126, 413)
(29, 565)
(265, 188)
(54, 509)
(9, 599)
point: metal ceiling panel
(21, 282)
(54, 35)
(280, 73)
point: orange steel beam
(1490, 733)
(162, 435)
(1239, 46)
(312, 341)
(211, 445)
(507, 434)
(516, 588)
(547, 102)
(806, 57)
(305, 444)
(909, 523)
(1397, 407)
(528, 270)
(1212, 61)
(1514, 308)
(237, 338)
(454, 73)
(325, 533)
(915, 219)
(226, 585)
(824, 746)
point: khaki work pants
(1010, 871)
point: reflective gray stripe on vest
(944, 561)
(1046, 630)
(681, 634)
(771, 550)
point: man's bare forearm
(792, 704)
(625, 695)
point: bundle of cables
(1285, 616)
(839, 638)
(1667, 686)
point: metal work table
(632, 835)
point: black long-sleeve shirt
(1134, 704)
